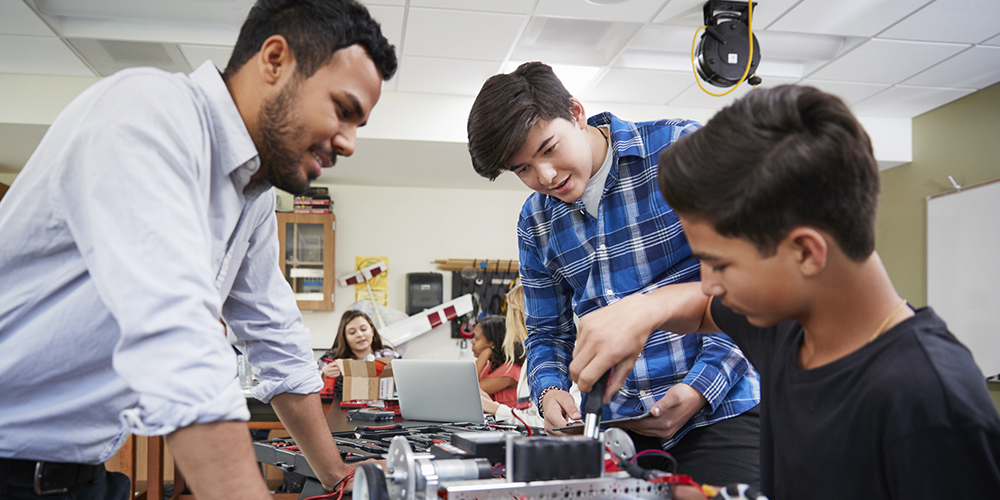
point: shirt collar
(230, 137)
(624, 136)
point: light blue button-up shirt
(131, 230)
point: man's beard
(278, 128)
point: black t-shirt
(907, 416)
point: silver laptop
(438, 390)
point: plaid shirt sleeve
(718, 367)
(549, 319)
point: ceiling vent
(110, 56)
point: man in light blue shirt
(144, 216)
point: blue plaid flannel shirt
(572, 262)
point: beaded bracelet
(541, 397)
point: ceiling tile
(197, 54)
(639, 86)
(886, 61)
(978, 67)
(691, 12)
(227, 12)
(695, 97)
(800, 46)
(16, 18)
(907, 102)
(433, 75)
(649, 59)
(508, 6)
(391, 21)
(638, 11)
(845, 17)
(850, 92)
(968, 21)
(572, 41)
(452, 33)
(38, 55)
(668, 38)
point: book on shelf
(311, 202)
(310, 211)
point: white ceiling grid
(638, 50)
(885, 58)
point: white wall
(413, 227)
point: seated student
(498, 372)
(863, 397)
(357, 338)
(525, 411)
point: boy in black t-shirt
(862, 397)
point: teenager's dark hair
(340, 349)
(506, 109)
(315, 30)
(774, 160)
(495, 330)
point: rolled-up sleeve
(139, 219)
(262, 312)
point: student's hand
(482, 358)
(334, 369)
(559, 409)
(328, 488)
(489, 406)
(671, 412)
(612, 336)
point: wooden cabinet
(306, 257)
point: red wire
(512, 412)
(340, 489)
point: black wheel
(369, 483)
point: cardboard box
(363, 380)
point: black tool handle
(595, 398)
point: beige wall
(960, 139)
(413, 227)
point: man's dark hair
(315, 30)
(774, 160)
(506, 109)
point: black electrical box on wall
(423, 291)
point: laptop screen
(438, 390)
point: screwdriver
(594, 407)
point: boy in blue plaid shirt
(596, 230)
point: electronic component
(370, 414)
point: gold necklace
(886, 322)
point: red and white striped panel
(364, 274)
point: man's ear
(276, 60)
(579, 115)
(809, 248)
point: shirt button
(643, 393)
(609, 292)
(252, 164)
(602, 247)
